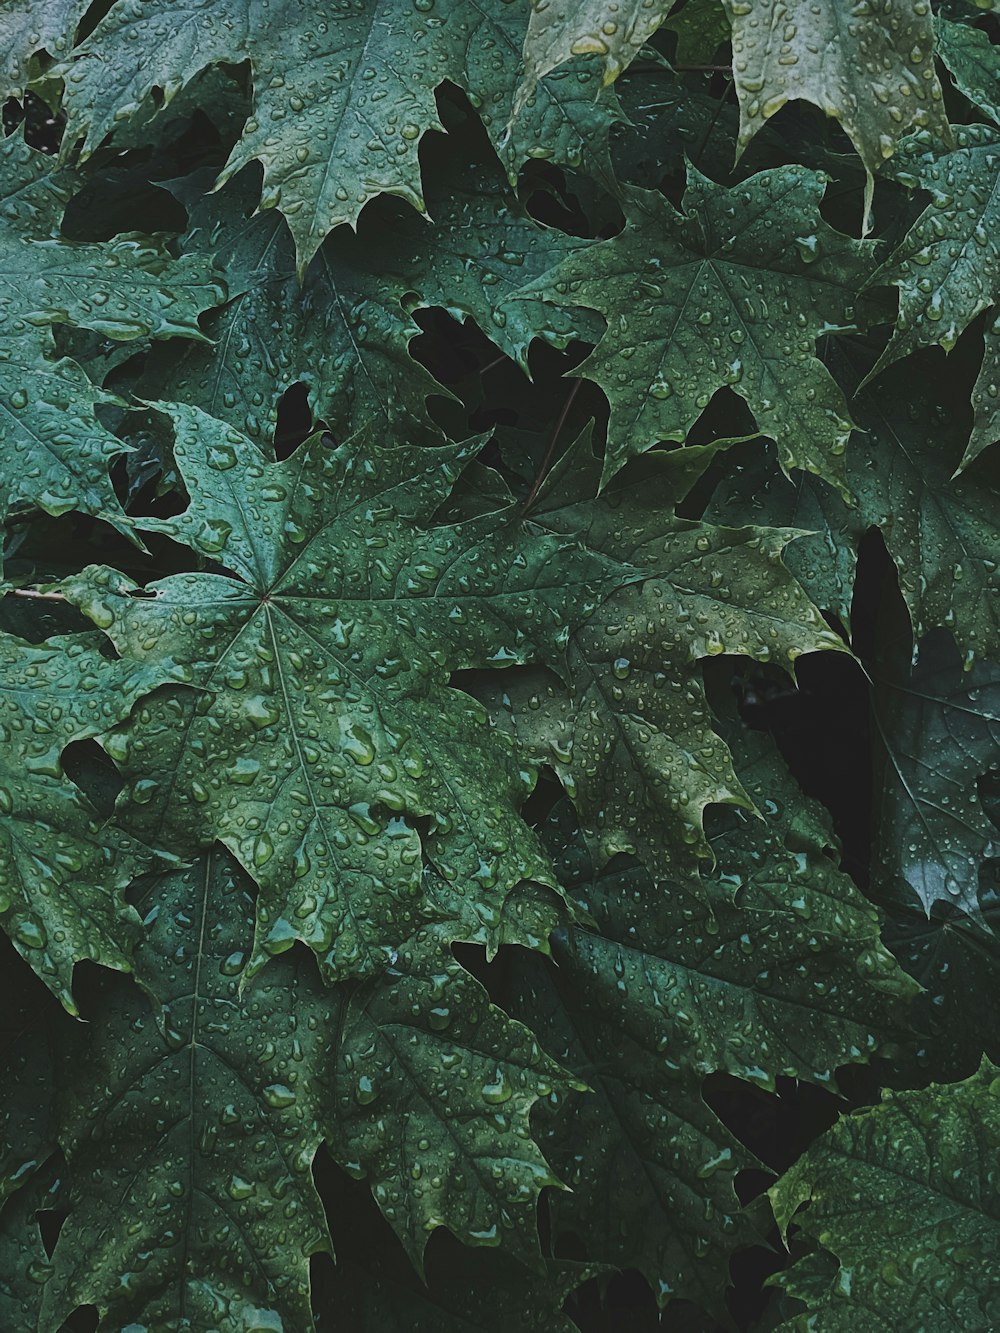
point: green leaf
(957, 962)
(190, 1129)
(971, 60)
(342, 100)
(190, 1133)
(771, 966)
(985, 398)
(562, 29)
(25, 30)
(766, 276)
(941, 530)
(349, 338)
(946, 265)
(905, 1196)
(701, 27)
(876, 77)
(61, 874)
(24, 1265)
(322, 724)
(630, 737)
(436, 1148)
(342, 331)
(54, 452)
(939, 728)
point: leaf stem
(38, 595)
(543, 471)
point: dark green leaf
(905, 1196)
(771, 966)
(971, 60)
(942, 531)
(630, 738)
(342, 99)
(733, 290)
(61, 873)
(322, 725)
(939, 729)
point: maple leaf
(971, 61)
(47, 24)
(733, 290)
(877, 77)
(562, 29)
(349, 340)
(903, 1187)
(771, 966)
(54, 451)
(61, 873)
(938, 728)
(630, 738)
(940, 529)
(946, 266)
(199, 1116)
(342, 99)
(322, 725)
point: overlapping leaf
(971, 60)
(631, 738)
(190, 1134)
(61, 873)
(48, 25)
(941, 531)
(345, 332)
(733, 290)
(771, 966)
(947, 267)
(905, 1197)
(874, 72)
(558, 30)
(54, 452)
(322, 726)
(342, 99)
(24, 1264)
(190, 1128)
(957, 963)
(939, 731)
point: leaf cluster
(500, 645)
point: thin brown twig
(703, 69)
(38, 595)
(543, 471)
(696, 157)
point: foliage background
(498, 720)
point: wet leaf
(874, 71)
(771, 966)
(54, 452)
(190, 1123)
(946, 265)
(562, 29)
(61, 872)
(342, 100)
(732, 290)
(321, 726)
(938, 729)
(631, 738)
(48, 25)
(971, 61)
(942, 531)
(353, 316)
(904, 1196)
